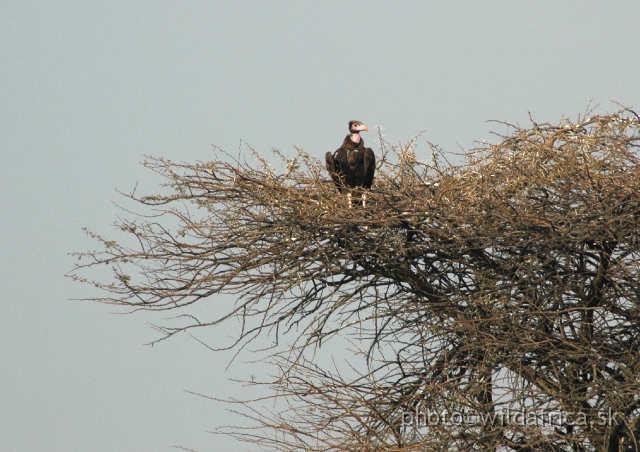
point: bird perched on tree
(352, 166)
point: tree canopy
(483, 296)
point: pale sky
(87, 88)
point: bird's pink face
(357, 126)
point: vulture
(352, 165)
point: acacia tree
(494, 304)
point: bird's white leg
(364, 200)
(349, 199)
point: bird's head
(357, 126)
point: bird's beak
(364, 128)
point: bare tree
(492, 305)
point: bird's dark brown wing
(333, 160)
(369, 167)
(343, 167)
(330, 163)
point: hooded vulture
(352, 165)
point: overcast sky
(87, 88)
